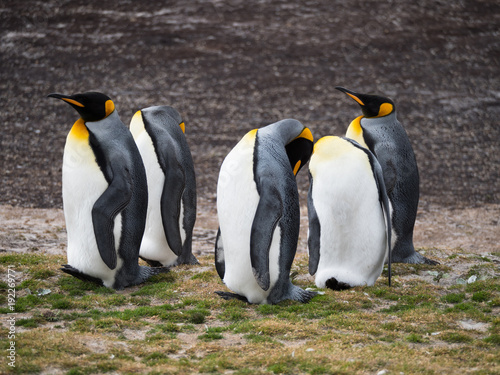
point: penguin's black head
(299, 150)
(371, 105)
(92, 106)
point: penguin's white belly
(353, 234)
(237, 200)
(83, 184)
(154, 245)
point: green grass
(175, 323)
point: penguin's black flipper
(384, 202)
(171, 207)
(269, 212)
(110, 203)
(227, 296)
(79, 275)
(313, 241)
(220, 264)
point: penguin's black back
(118, 157)
(387, 139)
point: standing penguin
(258, 210)
(349, 215)
(380, 131)
(104, 195)
(159, 134)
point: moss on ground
(175, 323)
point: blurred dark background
(231, 66)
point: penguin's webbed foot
(415, 258)
(190, 260)
(301, 295)
(157, 270)
(79, 275)
(152, 263)
(228, 296)
(146, 272)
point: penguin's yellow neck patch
(306, 133)
(250, 136)
(385, 109)
(355, 131)
(79, 131)
(296, 168)
(183, 127)
(136, 124)
(110, 107)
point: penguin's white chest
(237, 200)
(154, 245)
(83, 184)
(353, 233)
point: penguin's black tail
(80, 275)
(333, 283)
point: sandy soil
(230, 66)
(472, 230)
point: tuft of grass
(493, 339)
(213, 333)
(415, 338)
(453, 297)
(456, 337)
(481, 296)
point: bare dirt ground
(230, 66)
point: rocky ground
(230, 66)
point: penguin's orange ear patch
(110, 107)
(385, 109)
(183, 127)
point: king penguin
(159, 134)
(349, 215)
(104, 196)
(258, 211)
(380, 131)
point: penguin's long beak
(66, 98)
(352, 94)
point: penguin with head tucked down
(104, 196)
(258, 211)
(159, 134)
(380, 131)
(349, 215)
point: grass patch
(175, 323)
(453, 298)
(456, 337)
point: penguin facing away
(380, 131)
(159, 134)
(349, 215)
(258, 211)
(104, 196)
